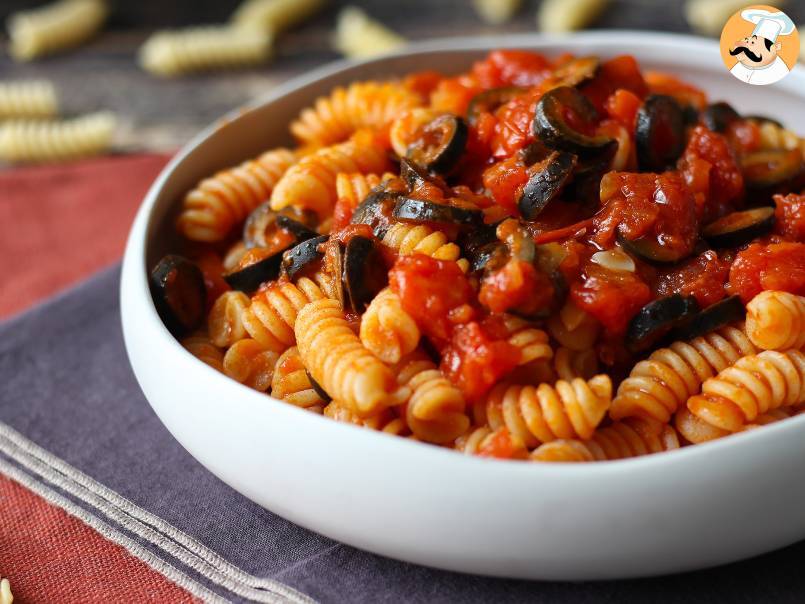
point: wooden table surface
(163, 114)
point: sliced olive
(364, 273)
(177, 288)
(549, 258)
(489, 100)
(577, 71)
(551, 128)
(765, 169)
(377, 211)
(419, 210)
(263, 221)
(301, 256)
(415, 176)
(249, 278)
(738, 228)
(691, 115)
(650, 250)
(718, 116)
(659, 133)
(533, 153)
(317, 387)
(440, 145)
(545, 183)
(656, 319)
(477, 244)
(711, 318)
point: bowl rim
(135, 264)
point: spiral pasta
(573, 328)
(775, 320)
(406, 238)
(176, 52)
(339, 362)
(272, 314)
(250, 363)
(359, 37)
(219, 203)
(659, 385)
(385, 420)
(751, 387)
(290, 382)
(387, 330)
(544, 413)
(568, 15)
(28, 99)
(352, 189)
(54, 27)
(310, 183)
(571, 364)
(530, 341)
(435, 410)
(224, 322)
(336, 117)
(38, 141)
(496, 12)
(200, 346)
(274, 16)
(633, 437)
(773, 137)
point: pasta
(338, 361)
(273, 312)
(657, 386)
(221, 202)
(630, 438)
(496, 12)
(568, 15)
(31, 99)
(176, 52)
(54, 27)
(709, 16)
(359, 37)
(248, 362)
(754, 385)
(776, 320)
(291, 383)
(274, 16)
(6, 597)
(542, 414)
(336, 117)
(200, 346)
(310, 183)
(38, 141)
(448, 259)
(387, 330)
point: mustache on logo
(743, 49)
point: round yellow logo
(759, 44)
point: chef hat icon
(768, 25)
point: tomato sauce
(704, 277)
(778, 266)
(789, 215)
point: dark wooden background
(162, 114)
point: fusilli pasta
(274, 16)
(573, 328)
(496, 12)
(250, 363)
(224, 321)
(571, 364)
(406, 238)
(219, 203)
(384, 420)
(776, 320)
(774, 137)
(291, 383)
(358, 36)
(28, 99)
(200, 346)
(387, 330)
(530, 341)
(568, 15)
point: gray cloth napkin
(66, 385)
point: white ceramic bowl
(688, 509)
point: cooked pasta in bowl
(383, 288)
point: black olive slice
(377, 211)
(711, 318)
(419, 210)
(298, 229)
(656, 319)
(441, 144)
(364, 272)
(765, 169)
(414, 176)
(533, 153)
(489, 100)
(659, 133)
(545, 183)
(577, 71)
(553, 131)
(177, 288)
(263, 221)
(718, 116)
(249, 278)
(317, 387)
(649, 250)
(738, 228)
(490, 256)
(302, 255)
(477, 244)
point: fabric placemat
(77, 436)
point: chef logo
(759, 45)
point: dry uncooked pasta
(358, 36)
(54, 27)
(28, 99)
(39, 141)
(176, 52)
(568, 15)
(709, 16)
(274, 16)
(496, 12)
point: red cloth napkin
(61, 223)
